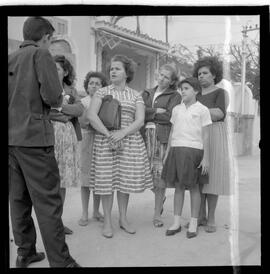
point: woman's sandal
(157, 223)
(98, 218)
(210, 228)
(107, 234)
(83, 222)
(129, 230)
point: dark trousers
(34, 181)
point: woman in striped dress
(209, 72)
(125, 169)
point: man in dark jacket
(33, 88)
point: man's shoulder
(41, 52)
(30, 51)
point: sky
(196, 30)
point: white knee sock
(176, 222)
(193, 225)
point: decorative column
(157, 61)
(99, 57)
(148, 72)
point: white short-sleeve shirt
(188, 124)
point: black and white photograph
(134, 139)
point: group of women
(136, 164)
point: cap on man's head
(35, 27)
(194, 82)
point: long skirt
(156, 152)
(67, 154)
(221, 169)
(86, 150)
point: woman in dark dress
(159, 103)
(209, 72)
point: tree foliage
(185, 60)
(252, 66)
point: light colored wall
(15, 28)
(139, 80)
(81, 36)
(84, 45)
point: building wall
(80, 34)
(15, 33)
(84, 45)
(15, 28)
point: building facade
(89, 42)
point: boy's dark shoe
(22, 262)
(191, 234)
(170, 232)
(74, 264)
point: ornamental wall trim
(144, 39)
(112, 40)
(107, 39)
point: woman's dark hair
(174, 76)
(214, 65)
(67, 67)
(95, 74)
(129, 65)
(35, 27)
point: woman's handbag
(110, 113)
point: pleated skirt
(221, 168)
(181, 167)
(126, 170)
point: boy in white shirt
(187, 155)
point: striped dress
(126, 170)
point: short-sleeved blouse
(215, 99)
(128, 99)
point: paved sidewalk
(231, 244)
